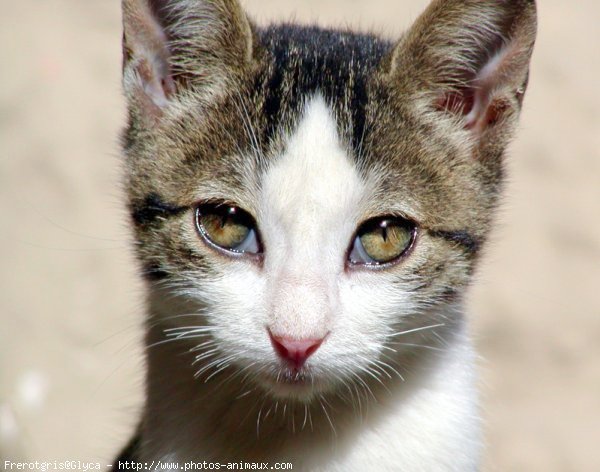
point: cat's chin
(289, 384)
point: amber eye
(228, 227)
(381, 240)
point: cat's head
(300, 196)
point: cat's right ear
(170, 46)
(468, 60)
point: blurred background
(70, 302)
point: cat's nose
(294, 351)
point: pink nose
(294, 351)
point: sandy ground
(70, 303)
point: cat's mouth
(288, 382)
(294, 377)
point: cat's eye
(228, 227)
(381, 240)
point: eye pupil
(381, 241)
(228, 227)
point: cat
(309, 206)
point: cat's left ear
(170, 46)
(467, 60)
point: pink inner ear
(477, 108)
(146, 52)
(154, 89)
(485, 101)
(459, 102)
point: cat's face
(303, 197)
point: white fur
(408, 413)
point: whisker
(415, 330)
(305, 416)
(424, 346)
(200, 329)
(327, 414)
(245, 394)
(379, 361)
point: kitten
(309, 206)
